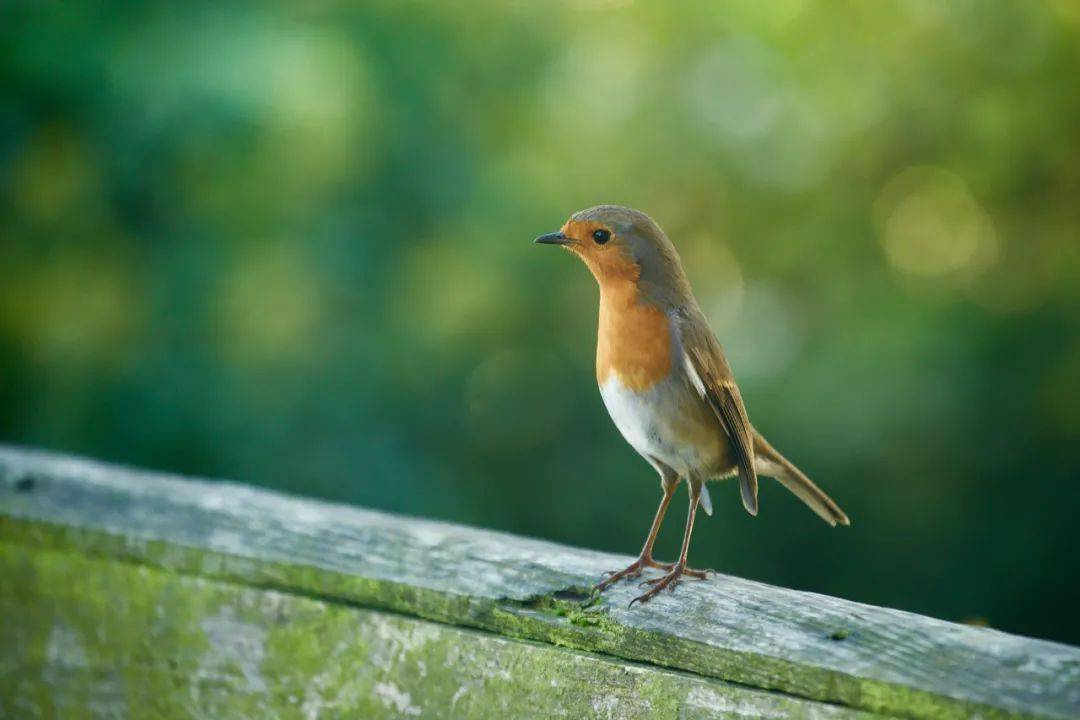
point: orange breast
(634, 339)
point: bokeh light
(291, 245)
(932, 226)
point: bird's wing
(711, 377)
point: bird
(666, 383)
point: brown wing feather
(717, 386)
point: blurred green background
(292, 246)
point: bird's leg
(645, 559)
(679, 568)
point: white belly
(655, 421)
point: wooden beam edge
(553, 617)
(237, 651)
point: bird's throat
(633, 339)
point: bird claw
(634, 570)
(658, 584)
(699, 574)
(689, 572)
(661, 579)
(669, 581)
(629, 572)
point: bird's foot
(699, 574)
(635, 569)
(629, 572)
(669, 581)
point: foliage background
(289, 243)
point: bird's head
(621, 245)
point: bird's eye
(601, 236)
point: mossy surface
(98, 638)
(800, 644)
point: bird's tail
(770, 462)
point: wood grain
(799, 644)
(182, 647)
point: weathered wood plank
(98, 638)
(801, 644)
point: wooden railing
(131, 594)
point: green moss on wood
(803, 645)
(97, 638)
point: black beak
(555, 238)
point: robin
(665, 382)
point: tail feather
(770, 462)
